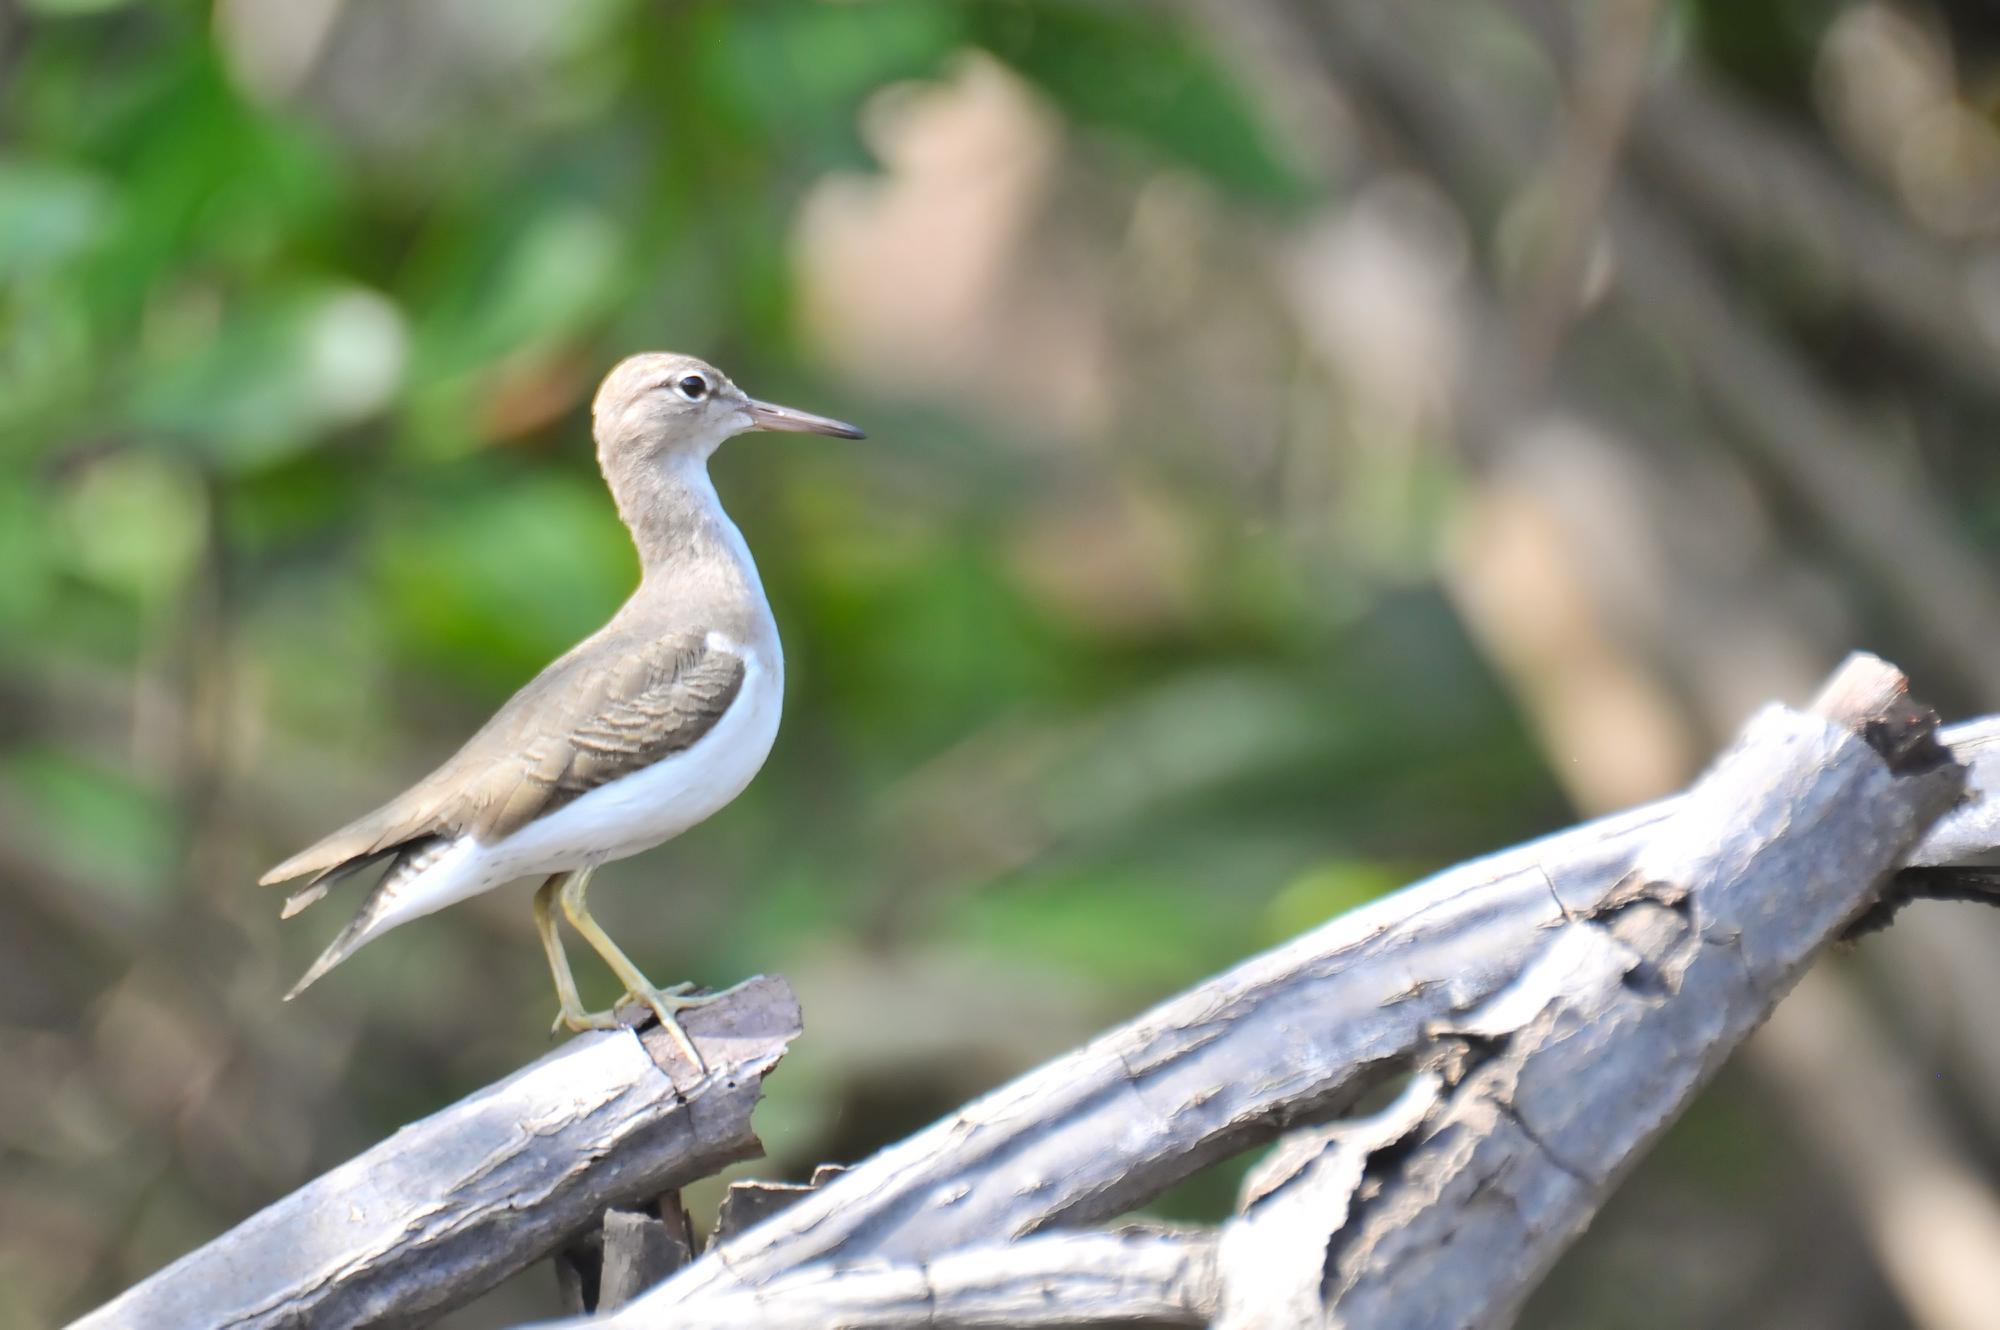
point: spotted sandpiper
(640, 731)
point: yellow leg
(663, 1001)
(572, 1015)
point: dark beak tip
(835, 429)
(785, 419)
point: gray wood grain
(750, 1201)
(1292, 1036)
(640, 1249)
(1274, 1252)
(451, 1205)
(1448, 1209)
(1501, 979)
(1139, 1277)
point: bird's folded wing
(619, 718)
(603, 711)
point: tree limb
(1298, 1033)
(1149, 1277)
(451, 1205)
(1446, 967)
(1533, 1105)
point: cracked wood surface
(1293, 1035)
(451, 1205)
(1275, 1250)
(1447, 1210)
(1146, 1277)
(1447, 974)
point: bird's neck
(676, 519)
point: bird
(645, 728)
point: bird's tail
(359, 931)
(385, 907)
(323, 881)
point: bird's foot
(579, 1020)
(682, 996)
(664, 1002)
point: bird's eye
(693, 387)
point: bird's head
(659, 406)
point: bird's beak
(769, 415)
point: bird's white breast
(617, 819)
(645, 808)
(639, 811)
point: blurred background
(1311, 442)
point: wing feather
(606, 710)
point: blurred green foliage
(296, 485)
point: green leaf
(28, 587)
(532, 276)
(102, 826)
(491, 581)
(72, 8)
(49, 214)
(1147, 80)
(800, 73)
(1140, 931)
(276, 376)
(136, 523)
(1327, 890)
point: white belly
(639, 811)
(630, 814)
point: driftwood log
(1560, 1003)
(1549, 1010)
(1532, 1105)
(1137, 1276)
(451, 1205)
(635, 1246)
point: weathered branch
(1526, 1110)
(634, 1248)
(1138, 1277)
(1275, 1251)
(1535, 1103)
(1298, 1033)
(453, 1204)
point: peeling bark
(1556, 1005)
(451, 1205)
(1137, 1277)
(1299, 1033)
(1537, 1101)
